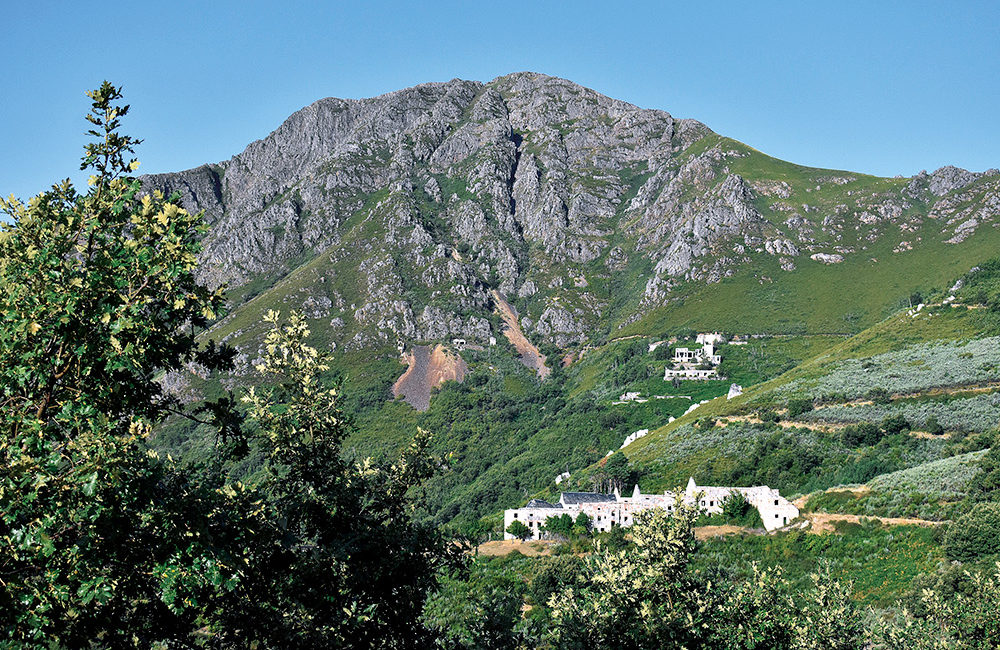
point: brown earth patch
(819, 426)
(823, 522)
(530, 356)
(503, 547)
(428, 368)
(706, 532)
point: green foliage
(737, 510)
(642, 596)
(334, 546)
(974, 534)
(554, 575)
(798, 406)
(519, 530)
(99, 296)
(864, 433)
(879, 395)
(477, 608)
(986, 485)
(966, 619)
(561, 526)
(616, 474)
(895, 424)
(104, 544)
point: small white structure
(690, 363)
(735, 390)
(609, 510)
(493, 340)
(630, 396)
(632, 437)
(562, 477)
(714, 338)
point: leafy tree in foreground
(519, 530)
(98, 294)
(335, 559)
(642, 596)
(105, 545)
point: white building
(609, 510)
(688, 363)
(714, 338)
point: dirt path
(706, 532)
(787, 424)
(530, 356)
(427, 369)
(503, 547)
(823, 426)
(823, 522)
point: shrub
(519, 530)
(864, 433)
(974, 534)
(768, 416)
(797, 407)
(879, 395)
(895, 424)
(554, 575)
(933, 426)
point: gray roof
(538, 503)
(586, 497)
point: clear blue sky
(880, 87)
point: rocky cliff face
(392, 218)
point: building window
(775, 502)
(711, 503)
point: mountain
(431, 226)
(392, 219)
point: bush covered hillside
(601, 297)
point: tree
(798, 406)
(103, 543)
(863, 433)
(974, 534)
(641, 597)
(895, 424)
(478, 608)
(618, 473)
(933, 427)
(561, 526)
(333, 543)
(99, 297)
(582, 524)
(519, 530)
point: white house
(688, 363)
(609, 510)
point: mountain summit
(394, 219)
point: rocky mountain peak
(403, 211)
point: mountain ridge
(587, 212)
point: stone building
(609, 510)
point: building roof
(538, 503)
(586, 497)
